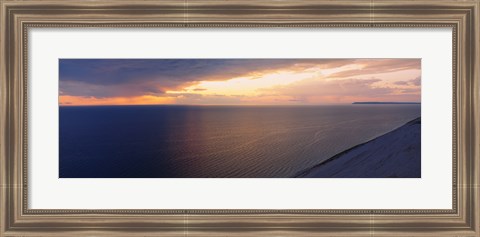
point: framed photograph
(239, 118)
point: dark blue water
(214, 141)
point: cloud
(314, 87)
(316, 91)
(417, 81)
(413, 82)
(410, 91)
(190, 98)
(104, 80)
(401, 83)
(129, 77)
(132, 77)
(376, 66)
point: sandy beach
(394, 154)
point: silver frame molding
(17, 17)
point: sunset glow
(143, 100)
(237, 81)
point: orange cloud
(66, 100)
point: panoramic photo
(240, 118)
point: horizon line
(353, 103)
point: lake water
(214, 141)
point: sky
(237, 81)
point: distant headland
(385, 103)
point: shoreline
(354, 153)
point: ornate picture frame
(16, 219)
